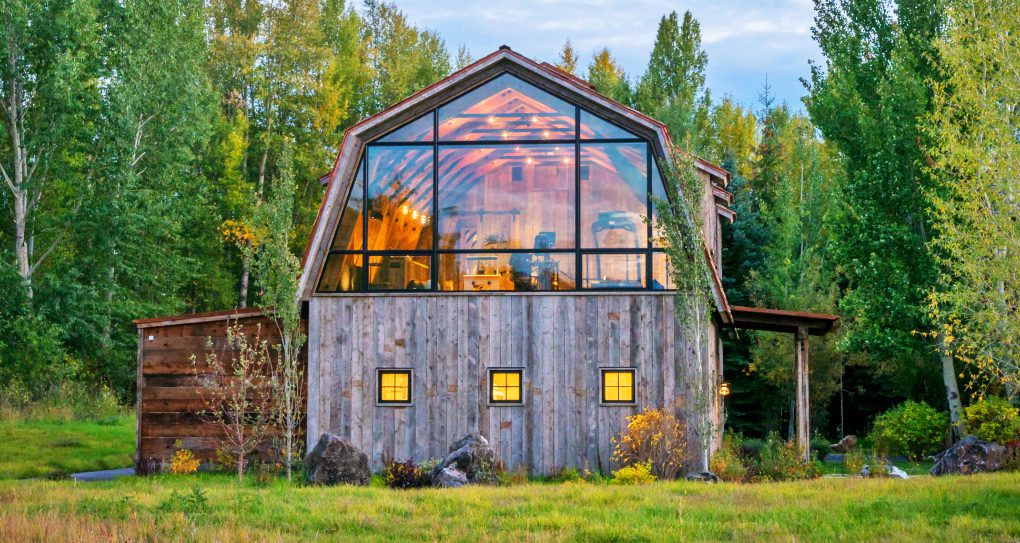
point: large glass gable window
(505, 188)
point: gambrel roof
(544, 76)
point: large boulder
(845, 445)
(472, 456)
(334, 461)
(969, 455)
(450, 478)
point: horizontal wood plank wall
(450, 342)
(169, 391)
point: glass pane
(516, 271)
(614, 196)
(349, 233)
(513, 394)
(399, 272)
(399, 198)
(418, 130)
(506, 197)
(342, 273)
(594, 127)
(611, 394)
(614, 270)
(659, 191)
(661, 278)
(499, 379)
(506, 108)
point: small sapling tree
(277, 272)
(239, 384)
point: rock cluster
(470, 461)
(969, 455)
(334, 461)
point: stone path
(104, 475)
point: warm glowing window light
(394, 386)
(618, 386)
(505, 386)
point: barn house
(483, 261)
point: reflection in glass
(661, 277)
(342, 273)
(614, 196)
(349, 231)
(418, 130)
(594, 127)
(388, 272)
(503, 271)
(399, 198)
(506, 197)
(659, 191)
(506, 108)
(614, 270)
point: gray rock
(969, 455)
(703, 476)
(472, 456)
(897, 473)
(450, 478)
(334, 461)
(865, 471)
(847, 444)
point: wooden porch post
(803, 422)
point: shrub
(993, 419)
(912, 428)
(183, 461)
(634, 474)
(820, 446)
(655, 437)
(404, 474)
(727, 462)
(854, 461)
(782, 461)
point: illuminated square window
(617, 386)
(506, 385)
(394, 386)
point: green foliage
(854, 461)
(993, 419)
(780, 460)
(727, 462)
(974, 153)
(867, 100)
(190, 504)
(912, 428)
(634, 474)
(404, 475)
(672, 89)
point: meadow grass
(55, 447)
(211, 507)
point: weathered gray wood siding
(450, 340)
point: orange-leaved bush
(654, 436)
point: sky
(747, 41)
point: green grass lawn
(56, 448)
(980, 508)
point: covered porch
(802, 325)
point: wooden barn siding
(450, 341)
(169, 391)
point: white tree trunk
(952, 390)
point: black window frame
(520, 376)
(602, 387)
(435, 253)
(378, 387)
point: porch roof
(778, 320)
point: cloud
(745, 40)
